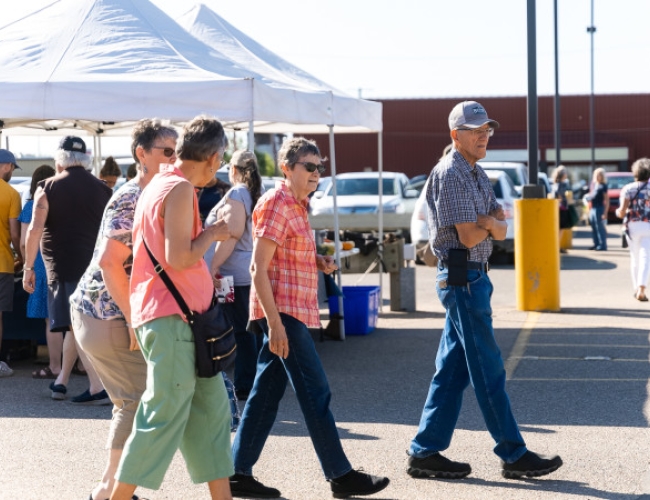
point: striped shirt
(457, 193)
(281, 218)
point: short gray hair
(147, 131)
(201, 138)
(641, 169)
(65, 159)
(294, 149)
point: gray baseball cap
(469, 114)
(7, 156)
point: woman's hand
(326, 264)
(278, 342)
(219, 230)
(133, 343)
(29, 280)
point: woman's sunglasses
(168, 152)
(312, 167)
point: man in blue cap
(10, 259)
(464, 217)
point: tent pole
(251, 136)
(98, 154)
(380, 247)
(337, 239)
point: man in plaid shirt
(463, 219)
(284, 303)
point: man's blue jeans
(598, 230)
(304, 370)
(468, 353)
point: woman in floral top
(635, 208)
(100, 305)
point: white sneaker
(5, 371)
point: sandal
(44, 373)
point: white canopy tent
(110, 61)
(100, 65)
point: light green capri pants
(177, 410)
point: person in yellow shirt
(9, 236)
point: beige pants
(123, 372)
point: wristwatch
(28, 268)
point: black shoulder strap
(189, 315)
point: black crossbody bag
(214, 337)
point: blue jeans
(468, 353)
(598, 230)
(248, 344)
(304, 370)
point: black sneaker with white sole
(357, 483)
(243, 486)
(437, 466)
(531, 465)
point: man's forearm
(32, 242)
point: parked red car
(615, 182)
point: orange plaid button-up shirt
(279, 217)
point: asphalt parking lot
(578, 381)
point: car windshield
(362, 187)
(512, 173)
(619, 181)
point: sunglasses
(312, 167)
(477, 132)
(168, 152)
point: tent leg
(341, 328)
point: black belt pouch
(457, 267)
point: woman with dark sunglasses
(284, 304)
(100, 304)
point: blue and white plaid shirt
(457, 193)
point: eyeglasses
(312, 167)
(168, 152)
(479, 131)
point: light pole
(592, 135)
(558, 145)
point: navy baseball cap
(7, 156)
(72, 143)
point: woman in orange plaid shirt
(284, 303)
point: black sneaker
(356, 483)
(58, 391)
(531, 465)
(243, 486)
(437, 466)
(99, 399)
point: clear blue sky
(436, 48)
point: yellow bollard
(566, 239)
(537, 254)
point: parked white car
(358, 193)
(505, 193)
(518, 172)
